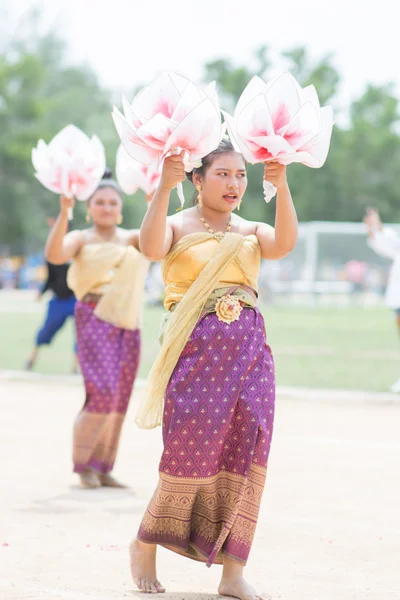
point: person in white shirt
(386, 242)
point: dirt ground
(329, 527)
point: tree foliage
(40, 93)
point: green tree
(39, 94)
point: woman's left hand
(275, 173)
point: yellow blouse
(118, 274)
(184, 268)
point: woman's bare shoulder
(243, 226)
(183, 222)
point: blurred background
(64, 63)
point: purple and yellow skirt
(217, 430)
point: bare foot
(239, 588)
(143, 567)
(108, 480)
(89, 479)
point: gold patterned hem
(205, 518)
(201, 557)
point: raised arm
(384, 241)
(62, 246)
(277, 242)
(155, 233)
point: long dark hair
(224, 147)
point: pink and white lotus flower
(72, 164)
(280, 121)
(167, 116)
(133, 176)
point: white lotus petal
(198, 133)
(125, 171)
(179, 80)
(133, 144)
(255, 86)
(299, 157)
(237, 142)
(151, 179)
(314, 153)
(318, 147)
(309, 94)
(191, 96)
(211, 91)
(155, 131)
(132, 175)
(254, 119)
(49, 183)
(304, 124)
(40, 156)
(283, 99)
(130, 116)
(95, 157)
(85, 190)
(65, 183)
(270, 146)
(161, 95)
(116, 111)
(67, 139)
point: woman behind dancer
(107, 276)
(59, 309)
(386, 242)
(212, 385)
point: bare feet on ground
(143, 567)
(107, 480)
(239, 588)
(89, 479)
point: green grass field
(349, 348)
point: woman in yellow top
(107, 276)
(212, 385)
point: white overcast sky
(127, 41)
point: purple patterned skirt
(217, 430)
(109, 359)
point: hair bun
(108, 174)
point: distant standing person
(355, 273)
(386, 242)
(59, 309)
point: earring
(239, 205)
(120, 219)
(88, 217)
(199, 202)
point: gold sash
(247, 297)
(183, 320)
(122, 300)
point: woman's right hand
(173, 171)
(65, 204)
